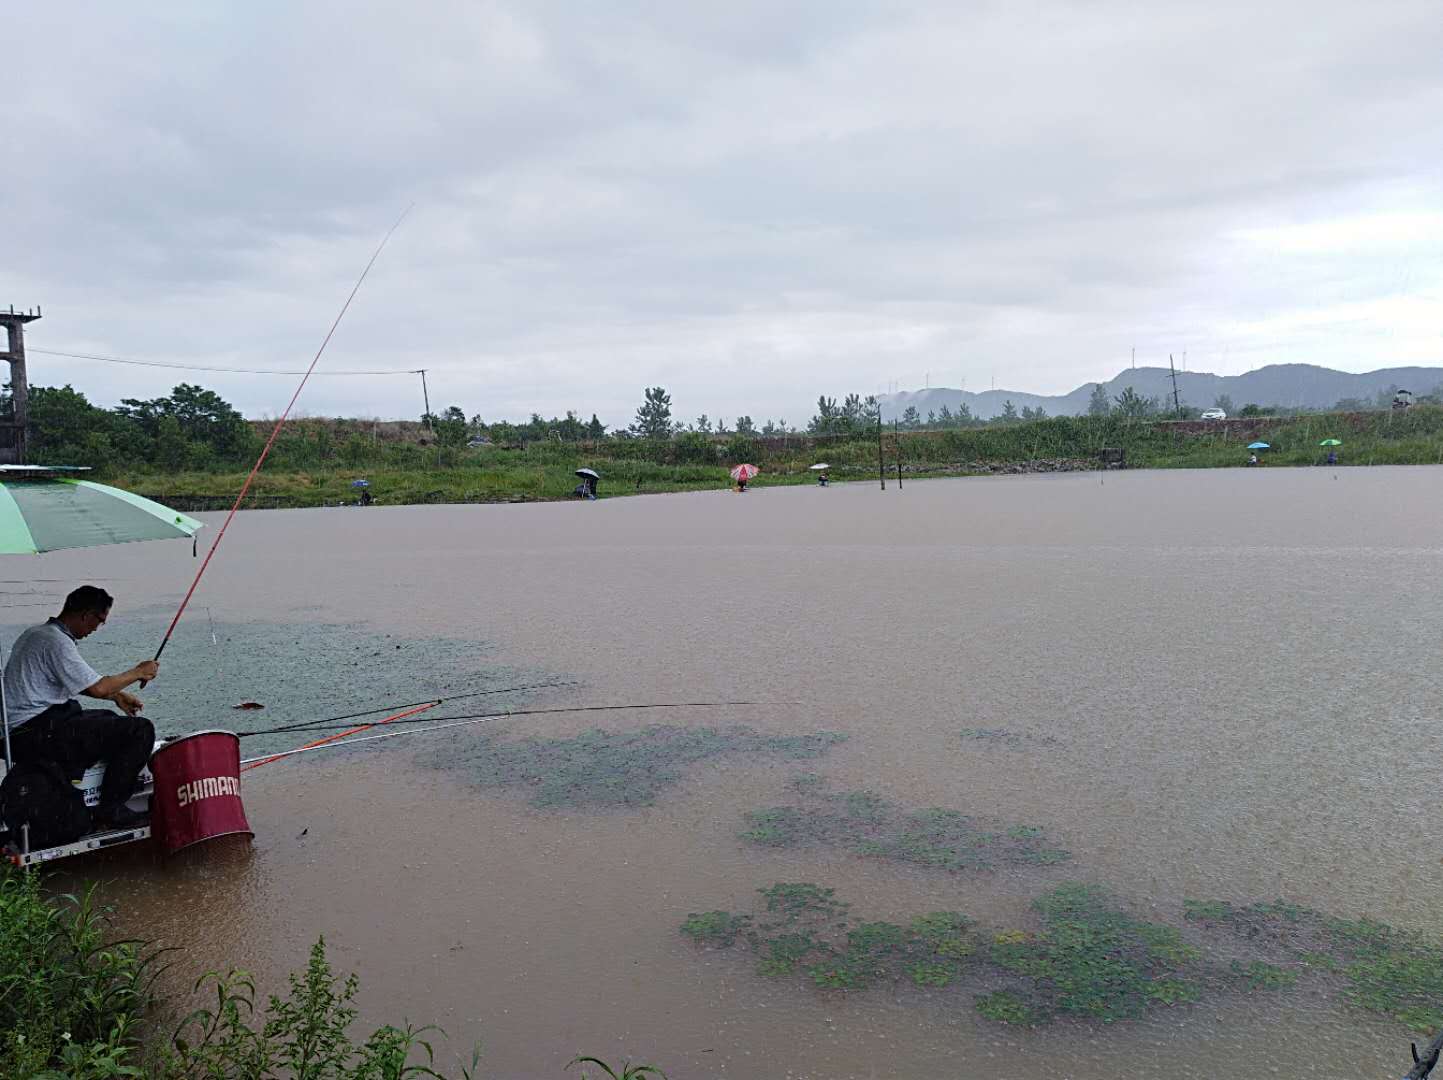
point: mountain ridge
(1298, 385)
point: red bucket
(197, 790)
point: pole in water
(275, 432)
(881, 465)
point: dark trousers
(76, 738)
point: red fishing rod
(274, 432)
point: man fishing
(45, 675)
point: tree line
(195, 429)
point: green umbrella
(40, 511)
(1331, 442)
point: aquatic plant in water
(1094, 960)
(1395, 973)
(869, 825)
(804, 927)
(1090, 959)
(613, 769)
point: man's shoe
(122, 817)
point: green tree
(172, 450)
(201, 416)
(1223, 402)
(871, 411)
(825, 421)
(703, 424)
(964, 415)
(653, 418)
(911, 419)
(1130, 405)
(596, 429)
(1008, 415)
(1038, 413)
(945, 417)
(450, 427)
(1097, 404)
(746, 427)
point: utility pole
(897, 435)
(1134, 358)
(425, 396)
(12, 349)
(1176, 404)
(881, 466)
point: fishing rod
(551, 712)
(274, 433)
(341, 735)
(304, 725)
(478, 718)
(255, 763)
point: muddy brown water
(1239, 670)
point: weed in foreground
(69, 998)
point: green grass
(406, 473)
(611, 769)
(867, 824)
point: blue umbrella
(360, 483)
(1258, 446)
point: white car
(1214, 414)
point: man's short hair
(86, 599)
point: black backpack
(39, 794)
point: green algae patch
(803, 929)
(867, 824)
(1012, 740)
(613, 769)
(1394, 973)
(1094, 960)
(1090, 960)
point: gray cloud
(748, 203)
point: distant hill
(1299, 385)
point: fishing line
(274, 433)
(551, 712)
(320, 725)
(333, 738)
(251, 763)
(459, 721)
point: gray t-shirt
(45, 669)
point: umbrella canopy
(591, 473)
(744, 472)
(820, 466)
(47, 513)
(360, 483)
(1331, 442)
(1258, 446)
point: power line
(198, 367)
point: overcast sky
(747, 202)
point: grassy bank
(318, 473)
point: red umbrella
(744, 472)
